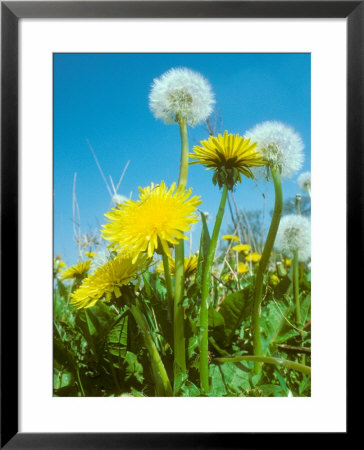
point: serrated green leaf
(305, 308)
(283, 337)
(229, 378)
(117, 338)
(133, 367)
(62, 379)
(235, 308)
(192, 346)
(204, 247)
(216, 319)
(190, 390)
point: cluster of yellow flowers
(158, 219)
(245, 249)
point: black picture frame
(11, 12)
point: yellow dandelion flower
(241, 248)
(228, 277)
(230, 237)
(190, 265)
(253, 257)
(288, 262)
(90, 254)
(229, 156)
(77, 271)
(160, 215)
(58, 264)
(274, 279)
(107, 280)
(243, 268)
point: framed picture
(82, 84)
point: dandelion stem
(204, 311)
(183, 168)
(179, 282)
(167, 277)
(269, 360)
(296, 287)
(263, 263)
(162, 384)
(298, 203)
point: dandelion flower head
(229, 156)
(190, 266)
(230, 237)
(253, 257)
(181, 93)
(294, 233)
(241, 248)
(107, 280)
(242, 267)
(304, 181)
(58, 263)
(275, 279)
(79, 270)
(280, 145)
(160, 215)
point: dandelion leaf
(229, 379)
(234, 309)
(204, 248)
(133, 367)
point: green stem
(80, 382)
(298, 203)
(183, 167)
(296, 271)
(263, 263)
(269, 360)
(160, 376)
(179, 282)
(204, 311)
(167, 277)
(296, 287)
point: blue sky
(103, 99)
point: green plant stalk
(263, 263)
(183, 166)
(295, 277)
(204, 310)
(269, 360)
(80, 382)
(298, 204)
(160, 375)
(296, 288)
(167, 277)
(179, 281)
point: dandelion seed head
(294, 233)
(304, 181)
(280, 145)
(181, 93)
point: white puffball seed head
(304, 181)
(281, 146)
(181, 94)
(294, 233)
